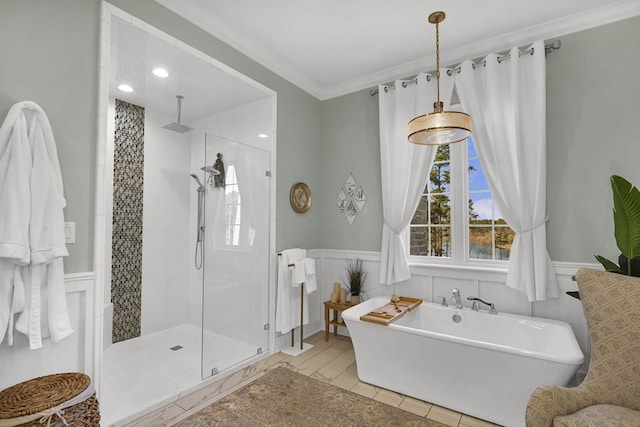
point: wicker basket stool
(52, 400)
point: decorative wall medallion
(300, 197)
(359, 198)
(351, 212)
(350, 186)
(351, 199)
(342, 200)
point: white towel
(299, 274)
(288, 298)
(310, 270)
(304, 271)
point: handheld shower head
(194, 176)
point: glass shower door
(236, 254)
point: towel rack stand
(301, 317)
(301, 312)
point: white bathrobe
(32, 240)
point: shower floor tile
(145, 373)
(333, 361)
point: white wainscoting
(76, 353)
(73, 354)
(433, 282)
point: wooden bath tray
(388, 313)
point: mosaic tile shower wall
(126, 258)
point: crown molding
(249, 47)
(548, 30)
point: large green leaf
(609, 265)
(626, 216)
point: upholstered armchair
(610, 393)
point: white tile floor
(143, 373)
(330, 361)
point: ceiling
(334, 47)
(208, 87)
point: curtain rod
(549, 47)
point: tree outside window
(431, 223)
(488, 237)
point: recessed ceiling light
(160, 72)
(263, 135)
(125, 88)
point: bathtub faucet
(474, 305)
(457, 299)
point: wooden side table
(336, 307)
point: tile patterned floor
(141, 372)
(332, 361)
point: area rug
(283, 397)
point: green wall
(351, 144)
(50, 56)
(49, 52)
(298, 125)
(593, 131)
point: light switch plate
(69, 232)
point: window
(431, 223)
(238, 232)
(457, 217)
(232, 208)
(489, 235)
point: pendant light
(440, 127)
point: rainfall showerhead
(211, 170)
(176, 126)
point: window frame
(245, 240)
(459, 162)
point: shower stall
(234, 249)
(185, 220)
(190, 263)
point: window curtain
(404, 166)
(506, 99)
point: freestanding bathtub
(485, 365)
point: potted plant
(626, 222)
(356, 277)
